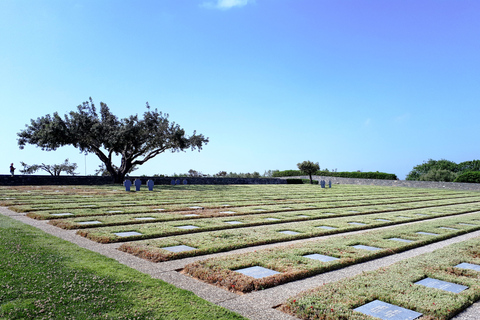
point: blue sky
(355, 85)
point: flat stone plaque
(427, 233)
(89, 222)
(114, 211)
(228, 212)
(326, 227)
(470, 266)
(442, 285)
(448, 228)
(128, 234)
(145, 218)
(257, 272)
(320, 257)
(226, 205)
(179, 248)
(364, 247)
(191, 215)
(384, 220)
(357, 223)
(233, 222)
(188, 227)
(196, 207)
(88, 206)
(467, 224)
(272, 219)
(328, 213)
(354, 211)
(159, 209)
(400, 239)
(387, 311)
(421, 214)
(61, 214)
(403, 217)
(289, 232)
(303, 216)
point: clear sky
(353, 84)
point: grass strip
(43, 277)
(395, 285)
(292, 265)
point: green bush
(438, 175)
(470, 177)
(357, 175)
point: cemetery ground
(262, 251)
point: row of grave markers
(138, 183)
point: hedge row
(470, 177)
(357, 175)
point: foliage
(135, 140)
(52, 169)
(354, 174)
(438, 175)
(470, 177)
(103, 172)
(308, 168)
(441, 170)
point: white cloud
(226, 4)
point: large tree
(309, 168)
(53, 169)
(135, 140)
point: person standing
(12, 169)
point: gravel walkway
(259, 305)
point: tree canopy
(53, 169)
(134, 139)
(442, 170)
(309, 168)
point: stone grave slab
(89, 222)
(257, 272)
(289, 232)
(196, 207)
(88, 206)
(191, 215)
(403, 217)
(228, 212)
(442, 285)
(179, 248)
(421, 214)
(233, 222)
(357, 223)
(303, 216)
(387, 311)
(226, 205)
(188, 227)
(448, 228)
(354, 211)
(259, 210)
(326, 227)
(320, 257)
(159, 209)
(427, 233)
(328, 213)
(272, 219)
(384, 220)
(467, 224)
(400, 239)
(63, 214)
(127, 234)
(364, 247)
(470, 266)
(145, 218)
(114, 211)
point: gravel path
(258, 305)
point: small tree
(53, 169)
(309, 168)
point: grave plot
(298, 261)
(396, 290)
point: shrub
(470, 177)
(357, 175)
(438, 175)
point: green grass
(395, 285)
(43, 277)
(289, 260)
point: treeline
(345, 174)
(445, 170)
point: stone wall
(396, 183)
(19, 180)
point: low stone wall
(396, 183)
(22, 180)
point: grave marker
(427, 233)
(364, 247)
(387, 311)
(185, 182)
(150, 184)
(179, 248)
(127, 234)
(233, 222)
(470, 266)
(127, 184)
(188, 227)
(289, 232)
(257, 272)
(138, 184)
(442, 285)
(89, 222)
(145, 218)
(320, 257)
(400, 239)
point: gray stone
(326, 227)
(114, 211)
(138, 184)
(387, 311)
(400, 239)
(228, 212)
(320, 257)
(272, 219)
(128, 234)
(233, 222)
(257, 272)
(179, 248)
(384, 220)
(89, 222)
(364, 247)
(442, 285)
(188, 227)
(470, 266)
(467, 224)
(289, 232)
(63, 214)
(427, 233)
(191, 215)
(145, 218)
(357, 223)
(150, 185)
(448, 228)
(127, 184)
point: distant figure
(12, 169)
